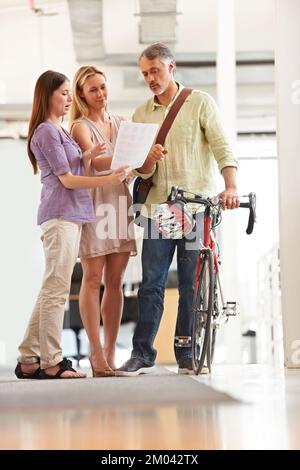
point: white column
(226, 97)
(287, 61)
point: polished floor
(266, 416)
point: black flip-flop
(64, 365)
(27, 375)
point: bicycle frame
(209, 306)
(209, 241)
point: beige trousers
(42, 338)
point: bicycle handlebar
(178, 194)
(251, 205)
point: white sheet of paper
(133, 143)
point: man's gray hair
(158, 50)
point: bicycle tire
(202, 312)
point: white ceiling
(30, 44)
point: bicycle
(209, 308)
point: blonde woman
(102, 258)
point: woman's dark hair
(45, 86)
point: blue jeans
(157, 255)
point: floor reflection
(162, 427)
(267, 417)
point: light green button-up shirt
(196, 146)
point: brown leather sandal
(64, 365)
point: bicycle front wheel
(202, 311)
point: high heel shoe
(105, 372)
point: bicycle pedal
(231, 309)
(183, 341)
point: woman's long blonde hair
(79, 107)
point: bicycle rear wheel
(202, 311)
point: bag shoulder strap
(169, 119)
(144, 185)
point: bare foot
(111, 362)
(99, 361)
(110, 358)
(67, 373)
